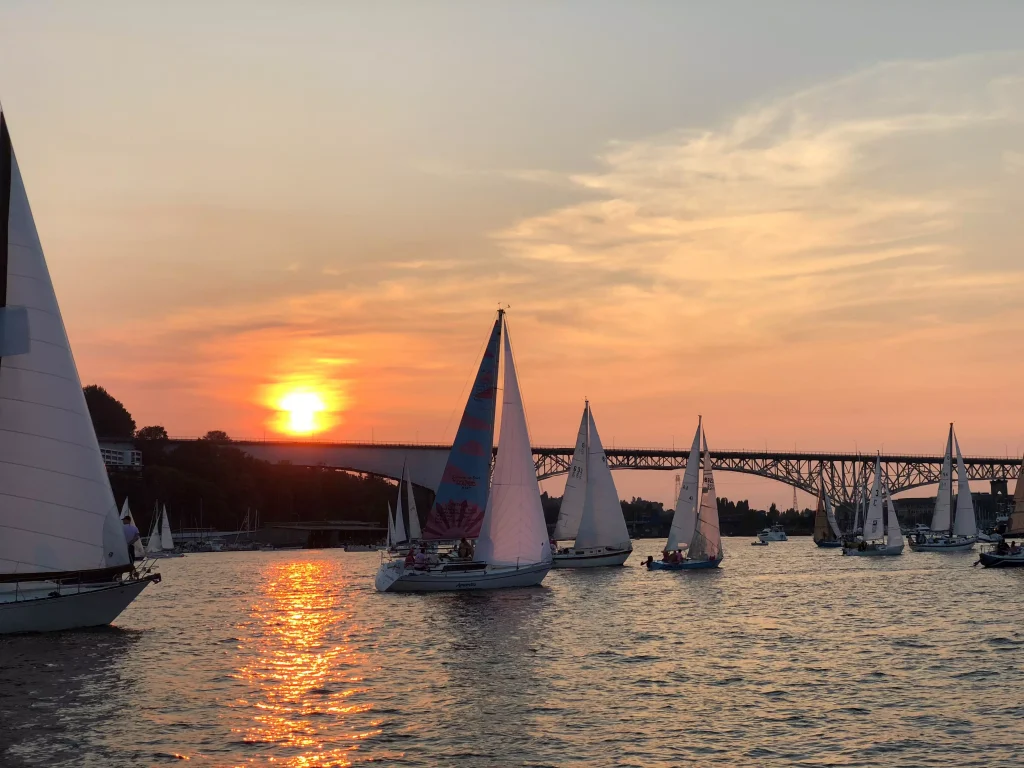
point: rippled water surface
(789, 655)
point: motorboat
(773, 533)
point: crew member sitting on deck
(410, 559)
(420, 559)
(465, 550)
(665, 556)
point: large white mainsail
(602, 523)
(415, 534)
(707, 538)
(874, 526)
(941, 516)
(513, 531)
(58, 512)
(965, 523)
(684, 520)
(571, 510)
(893, 534)
(166, 540)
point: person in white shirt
(131, 535)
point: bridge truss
(841, 472)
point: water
(789, 655)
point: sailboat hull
(596, 557)
(94, 606)
(943, 545)
(686, 565)
(395, 577)
(879, 550)
(825, 544)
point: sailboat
(877, 539)
(695, 526)
(63, 556)
(961, 532)
(1015, 525)
(590, 511)
(826, 527)
(161, 543)
(126, 514)
(398, 539)
(512, 547)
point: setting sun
(302, 409)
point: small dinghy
(695, 520)
(960, 533)
(759, 543)
(1002, 557)
(590, 511)
(877, 539)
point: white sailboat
(126, 514)
(696, 518)
(512, 548)
(959, 533)
(876, 539)
(826, 527)
(63, 556)
(590, 512)
(160, 544)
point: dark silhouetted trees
(110, 418)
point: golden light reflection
(298, 674)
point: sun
(302, 410)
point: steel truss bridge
(841, 472)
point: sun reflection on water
(300, 669)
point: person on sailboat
(131, 535)
(465, 550)
(410, 558)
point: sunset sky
(799, 219)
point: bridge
(841, 472)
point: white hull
(879, 550)
(598, 557)
(964, 545)
(773, 536)
(395, 577)
(94, 606)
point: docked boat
(590, 512)
(826, 528)
(773, 533)
(878, 539)
(959, 533)
(512, 548)
(694, 540)
(161, 542)
(63, 557)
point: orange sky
(823, 254)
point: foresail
(893, 534)
(153, 543)
(400, 536)
(391, 528)
(684, 520)
(707, 539)
(965, 523)
(166, 540)
(603, 524)
(571, 510)
(830, 514)
(58, 513)
(461, 498)
(513, 532)
(941, 516)
(415, 534)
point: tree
(151, 433)
(216, 436)
(109, 417)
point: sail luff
(461, 498)
(513, 532)
(391, 528)
(941, 517)
(603, 524)
(153, 543)
(684, 520)
(965, 523)
(570, 512)
(166, 540)
(830, 515)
